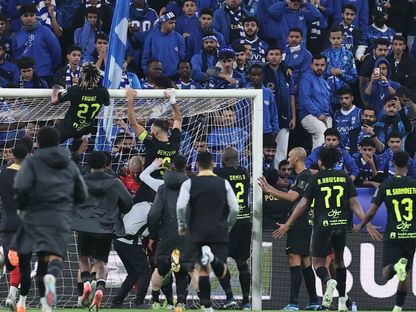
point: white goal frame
(257, 155)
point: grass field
(124, 310)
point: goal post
(41, 109)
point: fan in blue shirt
(369, 164)
(347, 120)
(185, 81)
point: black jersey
(240, 182)
(274, 211)
(158, 149)
(85, 105)
(299, 186)
(399, 196)
(331, 190)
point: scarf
(138, 14)
(35, 83)
(88, 4)
(125, 82)
(69, 74)
(236, 29)
(283, 100)
(43, 13)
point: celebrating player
(333, 193)
(399, 195)
(158, 144)
(86, 102)
(46, 187)
(10, 223)
(210, 198)
(240, 234)
(299, 236)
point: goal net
(212, 120)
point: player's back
(331, 190)
(240, 182)
(399, 196)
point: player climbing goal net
(212, 120)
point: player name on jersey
(327, 180)
(401, 191)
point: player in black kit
(158, 144)
(399, 196)
(299, 236)
(86, 102)
(240, 234)
(333, 193)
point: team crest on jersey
(270, 85)
(176, 49)
(295, 56)
(345, 58)
(301, 17)
(266, 102)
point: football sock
(155, 295)
(181, 286)
(400, 298)
(341, 276)
(226, 285)
(93, 276)
(15, 277)
(55, 267)
(22, 300)
(244, 281)
(205, 291)
(25, 268)
(85, 276)
(167, 290)
(322, 273)
(101, 284)
(218, 267)
(80, 287)
(310, 280)
(40, 273)
(295, 281)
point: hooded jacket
(288, 18)
(41, 44)
(162, 220)
(100, 213)
(380, 90)
(169, 48)
(46, 187)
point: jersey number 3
(407, 203)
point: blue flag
(114, 68)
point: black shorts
(66, 132)
(326, 240)
(239, 245)
(96, 246)
(393, 250)
(220, 250)
(299, 242)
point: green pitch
(124, 310)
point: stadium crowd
(334, 74)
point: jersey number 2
(84, 108)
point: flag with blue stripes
(114, 68)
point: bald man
(299, 236)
